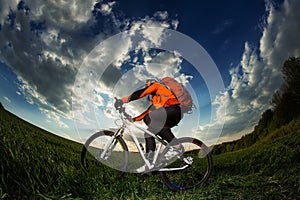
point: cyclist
(163, 114)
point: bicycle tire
(118, 160)
(196, 174)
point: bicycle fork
(110, 145)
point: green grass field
(36, 164)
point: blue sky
(43, 47)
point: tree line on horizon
(285, 105)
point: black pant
(160, 121)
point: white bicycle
(186, 171)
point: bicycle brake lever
(121, 109)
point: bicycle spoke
(194, 175)
(112, 152)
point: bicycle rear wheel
(115, 156)
(196, 173)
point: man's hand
(118, 104)
(132, 119)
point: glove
(132, 119)
(118, 103)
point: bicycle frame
(125, 125)
(112, 151)
(137, 144)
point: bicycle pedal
(147, 174)
(120, 174)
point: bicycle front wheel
(197, 163)
(105, 148)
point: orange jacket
(161, 97)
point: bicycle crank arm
(173, 169)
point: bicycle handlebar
(119, 107)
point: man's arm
(141, 93)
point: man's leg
(150, 143)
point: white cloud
(44, 44)
(7, 99)
(97, 73)
(163, 64)
(31, 94)
(146, 27)
(258, 75)
(46, 47)
(42, 55)
(222, 27)
(152, 34)
(65, 14)
(106, 9)
(53, 115)
(5, 7)
(163, 15)
(127, 83)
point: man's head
(150, 81)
